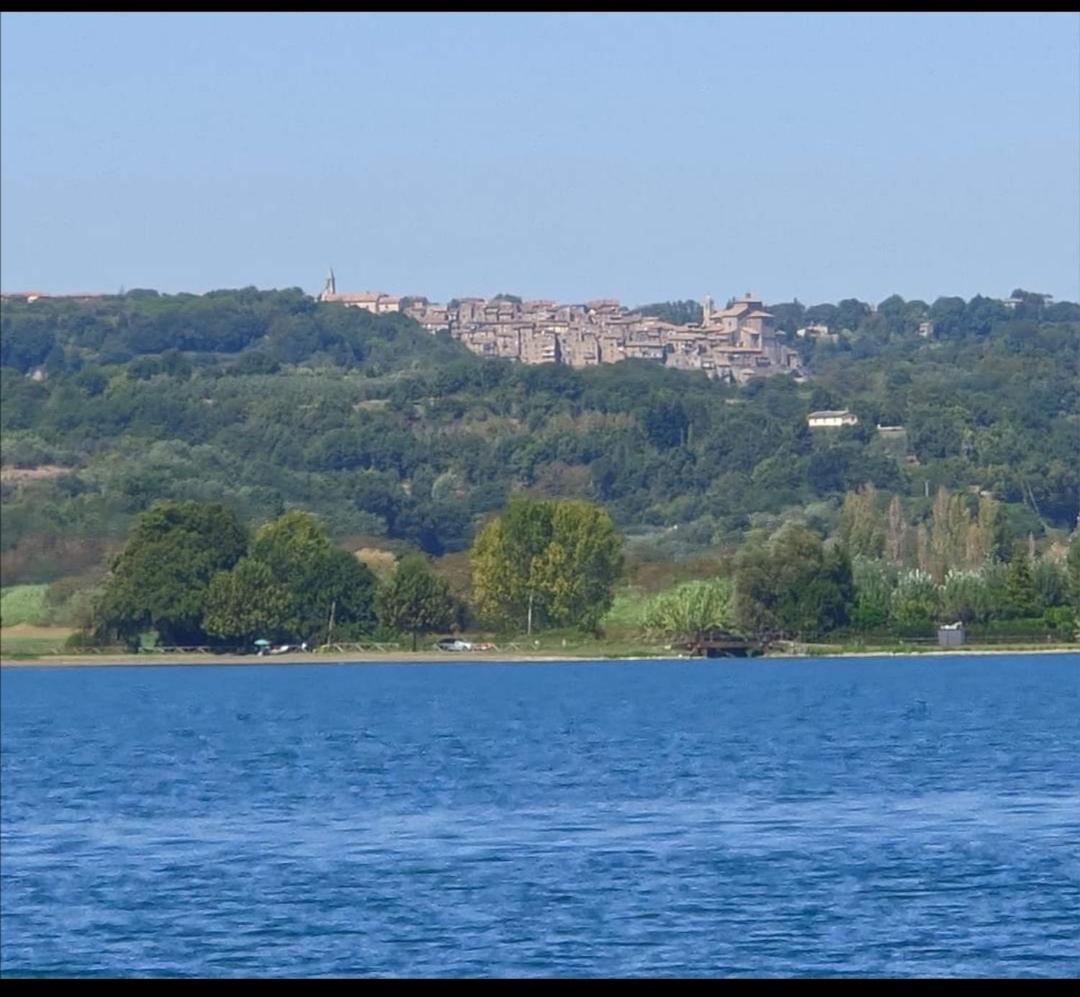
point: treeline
(192, 575)
(268, 400)
(268, 328)
(794, 585)
(879, 577)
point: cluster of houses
(731, 344)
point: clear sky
(639, 156)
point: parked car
(453, 644)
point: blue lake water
(911, 816)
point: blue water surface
(892, 816)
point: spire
(331, 285)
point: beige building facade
(732, 344)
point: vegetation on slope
(266, 401)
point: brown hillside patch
(455, 569)
(32, 630)
(40, 557)
(380, 562)
(10, 473)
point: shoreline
(434, 657)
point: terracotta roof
(361, 296)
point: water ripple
(895, 817)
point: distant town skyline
(641, 157)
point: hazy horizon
(644, 157)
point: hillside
(267, 399)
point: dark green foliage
(676, 312)
(246, 604)
(792, 586)
(265, 400)
(184, 573)
(415, 600)
(159, 582)
(320, 580)
(1020, 586)
(546, 563)
(25, 342)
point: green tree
(547, 562)
(950, 527)
(874, 581)
(160, 580)
(862, 527)
(503, 560)
(324, 583)
(791, 586)
(675, 312)
(246, 603)
(1050, 585)
(415, 600)
(1020, 584)
(1072, 570)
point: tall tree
(246, 603)
(547, 563)
(874, 581)
(792, 586)
(985, 537)
(324, 583)
(506, 584)
(160, 580)
(861, 528)
(949, 531)
(898, 539)
(415, 600)
(1019, 583)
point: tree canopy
(160, 580)
(547, 563)
(269, 400)
(792, 586)
(415, 600)
(188, 573)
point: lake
(808, 817)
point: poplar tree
(547, 563)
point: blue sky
(644, 157)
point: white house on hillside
(841, 418)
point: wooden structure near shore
(720, 644)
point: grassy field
(623, 620)
(27, 641)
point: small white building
(827, 419)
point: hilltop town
(731, 344)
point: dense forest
(268, 400)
